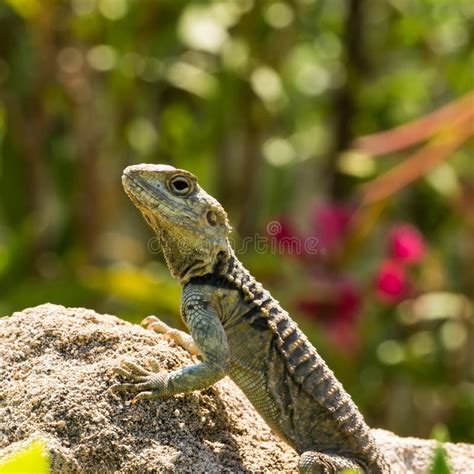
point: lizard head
(192, 227)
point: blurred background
(348, 123)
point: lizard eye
(180, 185)
(211, 217)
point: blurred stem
(88, 205)
(82, 90)
(345, 98)
(30, 125)
(247, 189)
(228, 108)
(249, 178)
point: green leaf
(440, 431)
(31, 460)
(25, 8)
(440, 464)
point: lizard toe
(149, 320)
(153, 364)
(145, 396)
(135, 369)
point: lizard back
(331, 417)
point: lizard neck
(214, 262)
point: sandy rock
(55, 368)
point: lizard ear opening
(211, 217)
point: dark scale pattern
(303, 363)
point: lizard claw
(149, 320)
(143, 396)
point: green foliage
(31, 460)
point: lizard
(238, 329)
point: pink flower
(349, 300)
(281, 229)
(285, 239)
(406, 244)
(332, 221)
(391, 281)
(308, 307)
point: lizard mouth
(139, 192)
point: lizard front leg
(208, 335)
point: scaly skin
(239, 330)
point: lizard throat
(202, 268)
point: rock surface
(55, 368)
